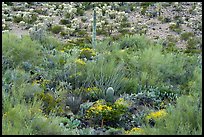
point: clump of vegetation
(50, 104)
(186, 35)
(101, 112)
(87, 53)
(65, 21)
(175, 27)
(56, 29)
(19, 50)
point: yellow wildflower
(122, 102)
(135, 130)
(157, 114)
(36, 82)
(80, 62)
(100, 107)
(109, 108)
(87, 52)
(88, 89)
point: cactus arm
(94, 29)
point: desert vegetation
(66, 71)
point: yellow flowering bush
(135, 131)
(50, 103)
(156, 115)
(102, 111)
(42, 82)
(92, 93)
(99, 109)
(90, 89)
(122, 102)
(80, 62)
(87, 53)
(62, 51)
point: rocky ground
(188, 13)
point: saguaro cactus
(94, 29)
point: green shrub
(17, 19)
(162, 67)
(50, 103)
(43, 125)
(124, 30)
(63, 33)
(56, 29)
(160, 18)
(65, 21)
(186, 35)
(80, 11)
(101, 31)
(32, 19)
(192, 43)
(87, 53)
(129, 85)
(101, 112)
(16, 121)
(166, 20)
(143, 10)
(20, 50)
(49, 42)
(172, 38)
(135, 42)
(175, 27)
(81, 32)
(84, 18)
(18, 113)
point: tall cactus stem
(94, 29)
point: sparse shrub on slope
(20, 49)
(135, 42)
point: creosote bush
(20, 50)
(135, 42)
